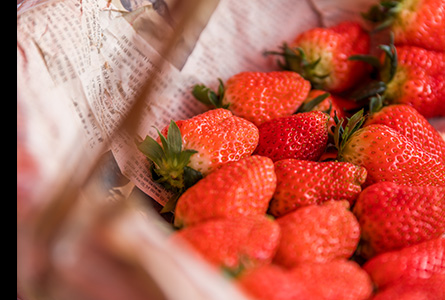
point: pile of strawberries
(323, 179)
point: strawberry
(317, 233)
(239, 188)
(334, 105)
(408, 265)
(271, 282)
(419, 81)
(387, 154)
(394, 216)
(320, 55)
(338, 279)
(189, 149)
(301, 183)
(299, 136)
(410, 75)
(416, 23)
(257, 96)
(431, 288)
(233, 244)
(409, 122)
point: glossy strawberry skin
(419, 261)
(421, 24)
(431, 288)
(334, 45)
(262, 96)
(394, 216)
(390, 156)
(339, 279)
(239, 188)
(218, 137)
(419, 81)
(300, 136)
(301, 183)
(409, 122)
(317, 233)
(233, 243)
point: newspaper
(81, 64)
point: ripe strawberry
(189, 149)
(317, 233)
(409, 264)
(258, 96)
(338, 279)
(410, 75)
(419, 81)
(416, 23)
(234, 243)
(394, 216)
(239, 188)
(301, 183)
(387, 155)
(334, 105)
(431, 288)
(321, 56)
(300, 136)
(409, 122)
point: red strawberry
(299, 136)
(419, 81)
(338, 279)
(239, 188)
(394, 216)
(272, 282)
(195, 147)
(416, 23)
(301, 183)
(258, 96)
(321, 56)
(334, 105)
(317, 233)
(234, 243)
(431, 288)
(387, 155)
(409, 122)
(417, 262)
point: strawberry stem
(170, 162)
(210, 97)
(295, 60)
(343, 134)
(309, 105)
(383, 14)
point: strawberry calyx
(169, 163)
(294, 59)
(385, 71)
(311, 104)
(210, 97)
(342, 134)
(383, 14)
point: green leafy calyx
(342, 134)
(295, 59)
(170, 162)
(210, 97)
(383, 14)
